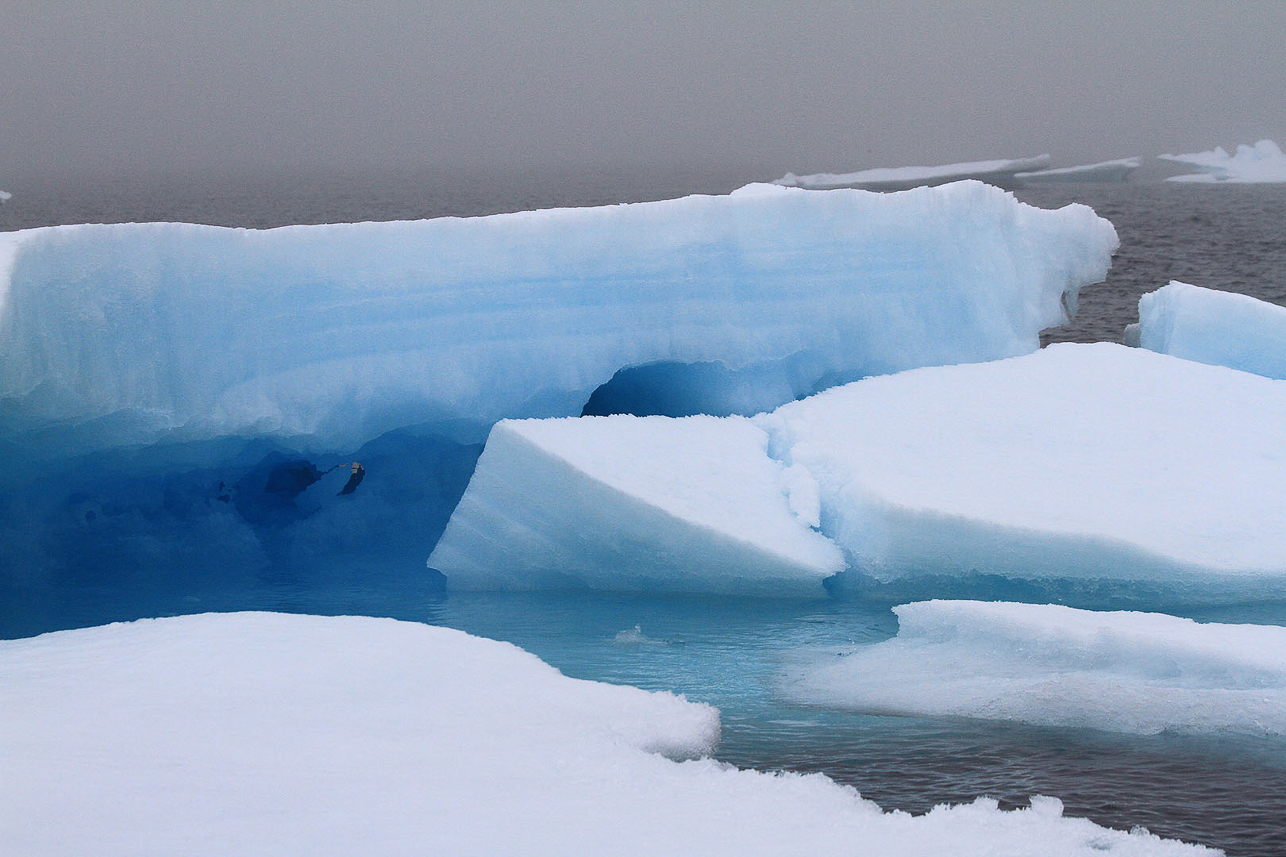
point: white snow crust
(1051, 665)
(639, 504)
(1104, 171)
(998, 172)
(342, 332)
(274, 734)
(1262, 162)
(1080, 462)
(1209, 326)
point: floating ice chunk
(1079, 461)
(1262, 162)
(342, 332)
(997, 172)
(1209, 326)
(635, 503)
(1056, 666)
(274, 734)
(5, 196)
(1104, 171)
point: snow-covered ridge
(1056, 666)
(282, 734)
(1080, 463)
(345, 331)
(1104, 171)
(1210, 326)
(996, 172)
(1262, 162)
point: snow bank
(275, 734)
(1209, 326)
(1082, 463)
(1262, 162)
(636, 504)
(1055, 666)
(342, 332)
(1104, 171)
(997, 172)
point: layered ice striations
(1210, 326)
(258, 733)
(1087, 465)
(339, 333)
(1051, 665)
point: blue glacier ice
(1210, 326)
(175, 396)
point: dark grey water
(1226, 793)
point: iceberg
(636, 503)
(1210, 326)
(1262, 162)
(1000, 173)
(5, 196)
(339, 333)
(1104, 171)
(184, 396)
(1079, 465)
(1050, 665)
(288, 734)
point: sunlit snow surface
(1262, 162)
(266, 733)
(1209, 326)
(1050, 665)
(1088, 463)
(997, 172)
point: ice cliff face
(340, 333)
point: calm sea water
(733, 652)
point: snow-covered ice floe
(636, 503)
(280, 734)
(1090, 463)
(1104, 171)
(342, 332)
(1262, 162)
(1050, 665)
(1210, 326)
(996, 172)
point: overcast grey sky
(95, 86)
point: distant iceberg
(1086, 464)
(1209, 326)
(1262, 162)
(261, 733)
(1000, 173)
(5, 196)
(1050, 665)
(1104, 171)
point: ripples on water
(732, 653)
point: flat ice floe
(1209, 326)
(1050, 665)
(999, 172)
(1081, 463)
(339, 333)
(275, 734)
(1262, 162)
(1104, 171)
(634, 503)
